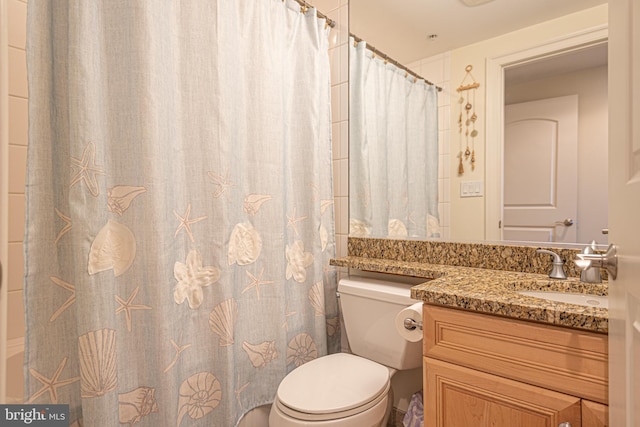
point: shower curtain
(393, 150)
(179, 207)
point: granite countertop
(493, 291)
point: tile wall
(18, 94)
(337, 10)
(437, 69)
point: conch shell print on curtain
(136, 404)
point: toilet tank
(369, 308)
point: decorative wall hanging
(467, 105)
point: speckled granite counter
(492, 291)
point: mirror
(519, 53)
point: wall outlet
(471, 189)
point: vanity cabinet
(594, 414)
(486, 370)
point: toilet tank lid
(334, 383)
(383, 290)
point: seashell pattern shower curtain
(179, 207)
(393, 145)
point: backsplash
(479, 255)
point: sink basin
(570, 298)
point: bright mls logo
(34, 415)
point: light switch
(471, 189)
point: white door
(624, 212)
(541, 170)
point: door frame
(4, 191)
(495, 70)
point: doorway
(520, 69)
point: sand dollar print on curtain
(179, 207)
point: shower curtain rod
(387, 58)
(304, 6)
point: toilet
(352, 390)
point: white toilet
(352, 390)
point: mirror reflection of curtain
(179, 208)
(393, 145)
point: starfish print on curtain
(68, 302)
(179, 349)
(222, 183)
(85, 170)
(293, 220)
(67, 226)
(256, 281)
(52, 384)
(185, 222)
(128, 305)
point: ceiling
(402, 28)
(567, 62)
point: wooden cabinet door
(460, 397)
(594, 414)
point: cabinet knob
(565, 424)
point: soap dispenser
(592, 274)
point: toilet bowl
(352, 390)
(336, 390)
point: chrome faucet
(557, 272)
(608, 261)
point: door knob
(568, 222)
(565, 424)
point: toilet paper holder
(411, 325)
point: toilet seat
(331, 387)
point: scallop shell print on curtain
(179, 208)
(113, 248)
(98, 363)
(222, 320)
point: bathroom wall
(591, 87)
(338, 11)
(468, 214)
(17, 157)
(437, 70)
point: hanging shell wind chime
(467, 119)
